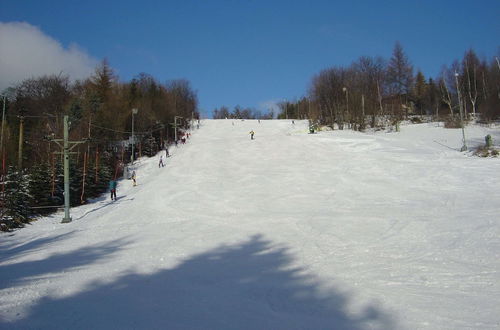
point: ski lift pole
(66, 146)
(174, 124)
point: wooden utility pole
(3, 121)
(132, 156)
(21, 143)
(464, 146)
(363, 110)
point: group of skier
(113, 183)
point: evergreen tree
(105, 172)
(41, 188)
(75, 183)
(432, 97)
(17, 199)
(420, 93)
(150, 147)
(105, 175)
(400, 75)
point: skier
(161, 161)
(251, 134)
(112, 188)
(166, 152)
(133, 179)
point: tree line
(376, 92)
(100, 111)
(239, 112)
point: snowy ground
(336, 230)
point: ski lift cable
(126, 132)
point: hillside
(336, 230)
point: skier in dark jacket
(112, 188)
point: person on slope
(160, 164)
(134, 182)
(112, 189)
(251, 134)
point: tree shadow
(15, 274)
(248, 286)
(104, 204)
(9, 249)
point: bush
(486, 152)
(416, 120)
(452, 123)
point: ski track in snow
(335, 230)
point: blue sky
(254, 53)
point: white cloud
(25, 52)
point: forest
(101, 117)
(379, 93)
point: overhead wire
(128, 132)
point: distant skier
(112, 189)
(166, 152)
(251, 134)
(161, 162)
(134, 182)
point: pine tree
(420, 93)
(90, 179)
(105, 172)
(150, 147)
(17, 199)
(432, 97)
(400, 75)
(41, 188)
(75, 183)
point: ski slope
(336, 230)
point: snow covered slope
(336, 230)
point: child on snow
(112, 188)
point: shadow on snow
(247, 286)
(12, 275)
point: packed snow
(335, 230)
